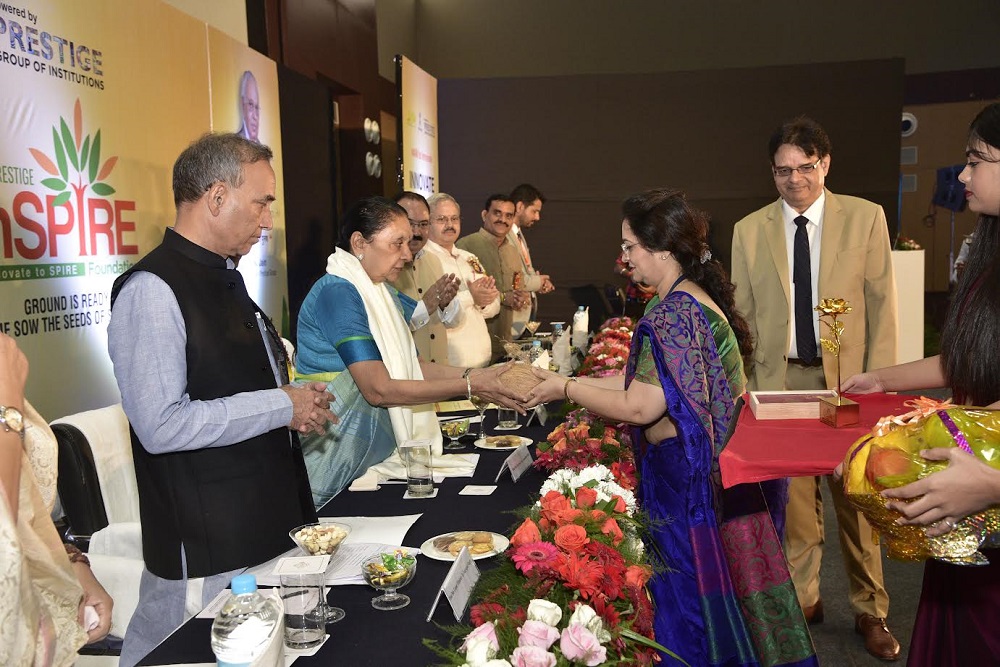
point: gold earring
(663, 257)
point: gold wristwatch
(12, 420)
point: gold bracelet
(566, 389)
(468, 385)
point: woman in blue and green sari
(722, 592)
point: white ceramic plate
(483, 443)
(500, 543)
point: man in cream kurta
(846, 244)
(469, 341)
(425, 281)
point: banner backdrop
(98, 100)
(420, 128)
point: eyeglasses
(627, 248)
(420, 225)
(805, 170)
(443, 219)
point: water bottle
(243, 628)
(535, 351)
(581, 328)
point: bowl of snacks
(320, 539)
(454, 430)
(388, 572)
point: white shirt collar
(814, 213)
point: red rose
(567, 516)
(571, 538)
(553, 502)
(585, 497)
(525, 533)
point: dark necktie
(805, 336)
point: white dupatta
(395, 344)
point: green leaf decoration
(103, 189)
(95, 157)
(54, 184)
(84, 150)
(60, 155)
(68, 144)
(62, 199)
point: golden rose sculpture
(839, 411)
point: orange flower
(612, 530)
(563, 517)
(559, 445)
(579, 432)
(580, 573)
(637, 575)
(620, 505)
(552, 503)
(527, 532)
(585, 497)
(598, 515)
(571, 538)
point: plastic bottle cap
(536, 343)
(580, 308)
(244, 583)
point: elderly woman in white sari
(353, 334)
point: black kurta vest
(229, 507)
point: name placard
(458, 584)
(517, 463)
(540, 413)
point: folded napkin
(445, 465)
(367, 482)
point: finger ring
(951, 524)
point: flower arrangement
(572, 591)
(906, 243)
(585, 440)
(608, 353)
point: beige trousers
(804, 531)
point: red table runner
(770, 449)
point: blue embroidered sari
(723, 595)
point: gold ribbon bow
(921, 408)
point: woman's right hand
(551, 388)
(485, 382)
(862, 383)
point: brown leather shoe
(878, 638)
(814, 613)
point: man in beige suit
(812, 244)
(424, 280)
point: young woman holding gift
(959, 610)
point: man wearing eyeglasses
(424, 280)
(807, 245)
(469, 343)
(249, 107)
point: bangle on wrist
(566, 389)
(468, 384)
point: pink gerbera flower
(536, 555)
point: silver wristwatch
(12, 420)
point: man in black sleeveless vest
(204, 381)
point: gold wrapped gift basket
(890, 457)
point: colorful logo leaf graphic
(82, 153)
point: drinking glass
(480, 404)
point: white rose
(544, 611)
(478, 651)
(585, 615)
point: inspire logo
(78, 205)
